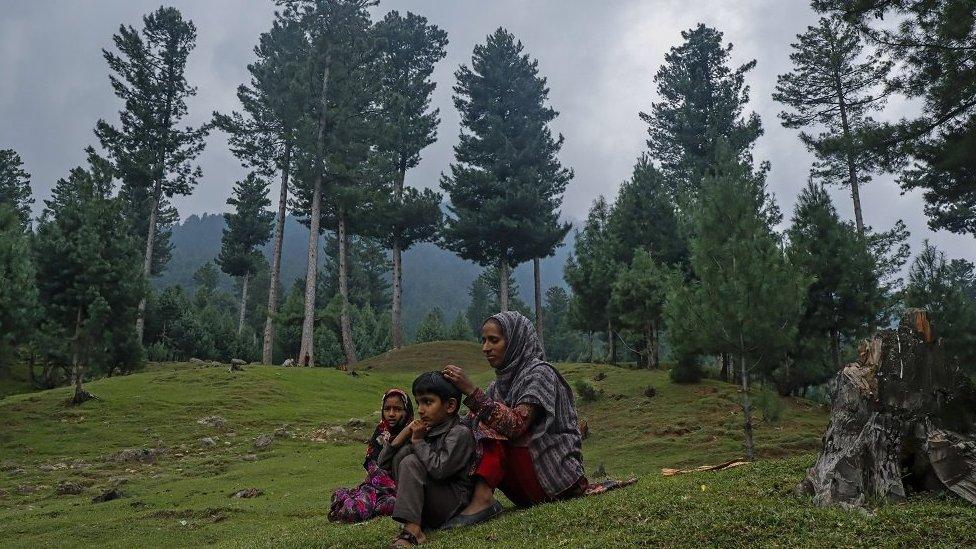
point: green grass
(182, 499)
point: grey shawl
(526, 378)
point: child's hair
(434, 383)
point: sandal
(404, 539)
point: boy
(429, 460)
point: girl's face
(493, 344)
(393, 409)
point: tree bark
(398, 267)
(267, 354)
(611, 343)
(649, 346)
(538, 300)
(591, 345)
(348, 345)
(77, 369)
(851, 167)
(147, 261)
(503, 285)
(240, 321)
(726, 374)
(746, 408)
(306, 356)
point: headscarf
(526, 378)
(375, 443)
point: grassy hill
(179, 494)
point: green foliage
(248, 227)
(459, 331)
(561, 341)
(89, 275)
(432, 328)
(644, 218)
(586, 391)
(701, 106)
(481, 306)
(15, 190)
(591, 270)
(687, 369)
(151, 152)
(771, 405)
(368, 270)
(18, 292)
(638, 297)
(506, 185)
(947, 290)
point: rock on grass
(215, 422)
(68, 488)
(247, 493)
(108, 495)
(263, 441)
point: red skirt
(509, 468)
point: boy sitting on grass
(429, 460)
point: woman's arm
(508, 422)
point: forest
(692, 267)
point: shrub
(587, 391)
(771, 405)
(686, 370)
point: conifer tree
(152, 152)
(459, 331)
(15, 190)
(248, 227)
(644, 218)
(18, 293)
(408, 49)
(845, 298)
(432, 327)
(933, 45)
(480, 306)
(506, 183)
(88, 275)
(638, 295)
(701, 106)
(834, 87)
(745, 297)
(263, 135)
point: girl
(377, 494)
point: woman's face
(393, 410)
(493, 343)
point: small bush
(771, 405)
(687, 370)
(587, 391)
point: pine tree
(845, 299)
(152, 153)
(409, 48)
(459, 331)
(562, 342)
(637, 299)
(746, 297)
(947, 290)
(590, 271)
(248, 227)
(88, 275)
(368, 269)
(432, 327)
(480, 306)
(15, 190)
(832, 88)
(18, 293)
(701, 106)
(933, 45)
(506, 181)
(263, 136)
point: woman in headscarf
(525, 423)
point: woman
(525, 423)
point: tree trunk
(902, 418)
(849, 153)
(726, 374)
(240, 321)
(147, 261)
(657, 348)
(503, 285)
(538, 300)
(612, 344)
(30, 368)
(306, 356)
(649, 347)
(591, 345)
(746, 410)
(345, 326)
(398, 268)
(267, 354)
(77, 369)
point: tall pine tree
(248, 227)
(409, 47)
(506, 182)
(18, 294)
(833, 87)
(15, 190)
(152, 153)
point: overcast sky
(599, 56)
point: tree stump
(902, 419)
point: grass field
(182, 498)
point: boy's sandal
(404, 539)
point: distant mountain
(431, 276)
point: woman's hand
(418, 430)
(456, 375)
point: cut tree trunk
(503, 285)
(903, 419)
(306, 355)
(538, 300)
(345, 325)
(267, 353)
(243, 315)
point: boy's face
(433, 410)
(393, 410)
